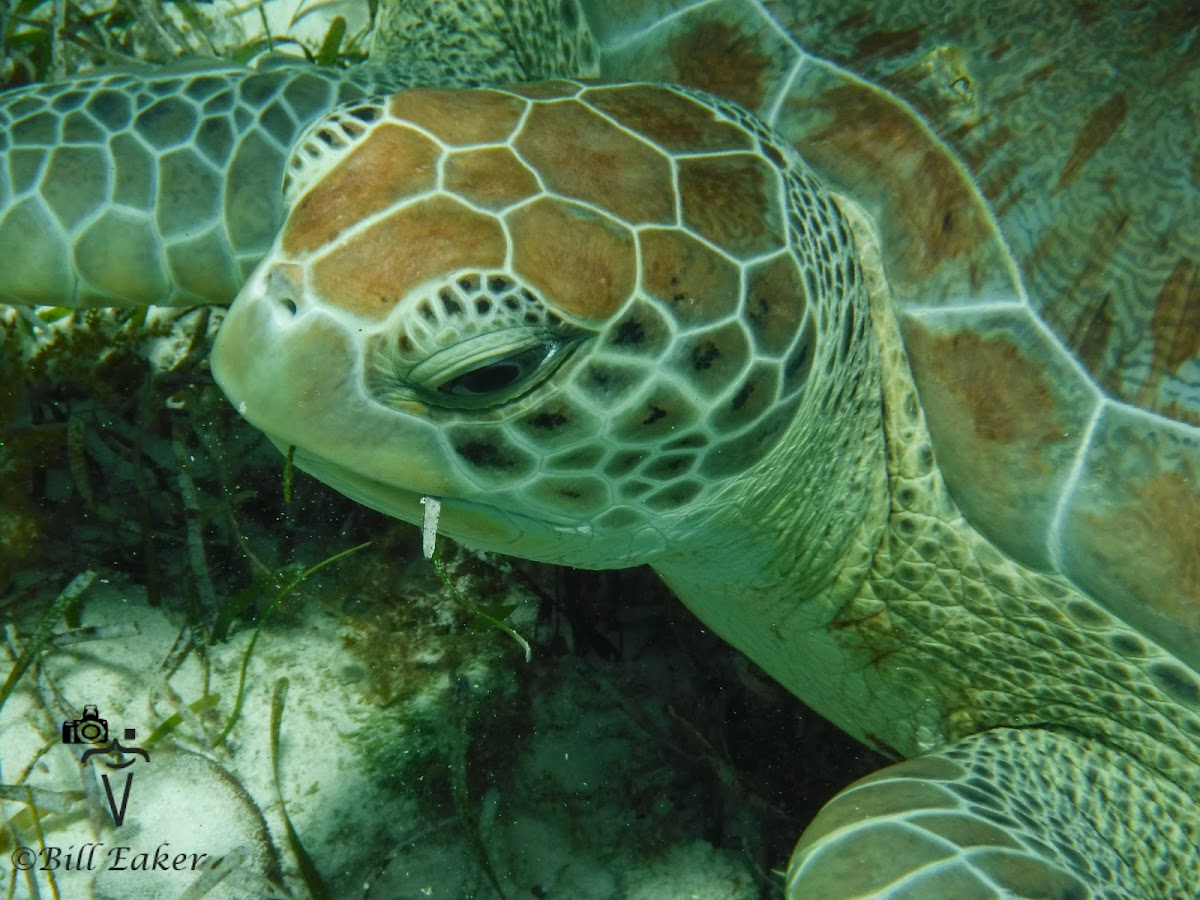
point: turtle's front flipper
(149, 187)
(1005, 813)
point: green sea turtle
(886, 358)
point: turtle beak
(295, 369)
(295, 372)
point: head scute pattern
(606, 300)
(324, 144)
(474, 341)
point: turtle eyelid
(503, 377)
(499, 374)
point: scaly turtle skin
(923, 444)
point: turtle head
(574, 314)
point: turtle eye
(498, 376)
(489, 369)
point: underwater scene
(551, 448)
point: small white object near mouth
(433, 509)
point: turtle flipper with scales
(894, 379)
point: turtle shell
(1035, 180)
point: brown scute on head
(582, 155)
(432, 237)
(669, 119)
(460, 117)
(733, 201)
(390, 164)
(775, 302)
(693, 283)
(491, 177)
(715, 57)
(584, 264)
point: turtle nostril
(281, 284)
